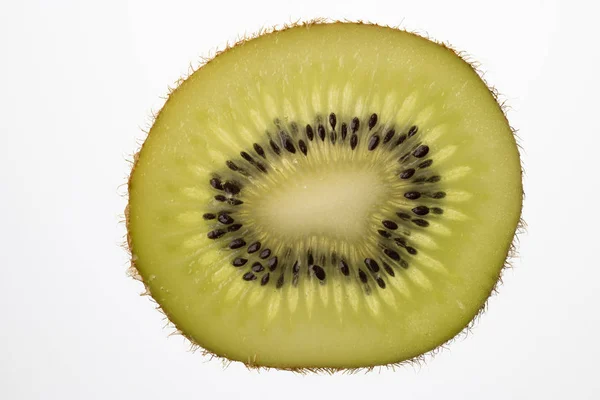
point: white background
(78, 82)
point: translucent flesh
(354, 70)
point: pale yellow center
(334, 204)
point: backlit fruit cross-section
(327, 196)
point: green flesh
(329, 203)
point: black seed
(421, 210)
(333, 137)
(279, 283)
(362, 276)
(259, 150)
(296, 268)
(403, 264)
(421, 151)
(332, 120)
(272, 264)
(433, 179)
(302, 146)
(265, 253)
(333, 258)
(238, 262)
(260, 166)
(220, 197)
(254, 247)
(380, 282)
(403, 215)
(287, 143)
(436, 210)
(420, 222)
(391, 254)
(257, 267)
(209, 216)
(372, 264)
(310, 134)
(237, 243)
(235, 202)
(390, 224)
(321, 132)
(234, 227)
(249, 276)
(400, 140)
(265, 279)
(344, 268)
(407, 173)
(353, 141)
(388, 269)
(426, 164)
(373, 142)
(216, 183)
(400, 242)
(217, 233)
(224, 218)
(412, 131)
(310, 259)
(344, 130)
(439, 195)
(231, 188)
(275, 148)
(389, 135)
(354, 125)
(319, 272)
(411, 250)
(372, 121)
(232, 165)
(385, 234)
(247, 157)
(412, 195)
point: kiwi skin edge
(510, 256)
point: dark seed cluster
(264, 267)
(267, 266)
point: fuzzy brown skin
(512, 253)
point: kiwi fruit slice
(331, 195)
